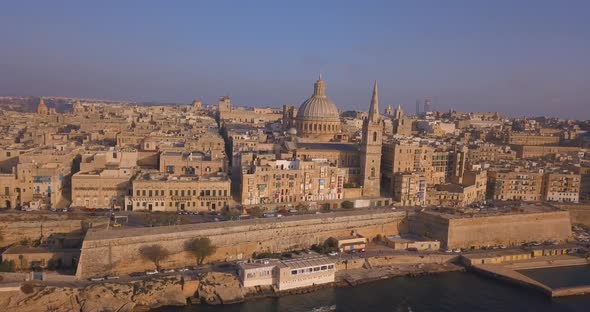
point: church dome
(318, 107)
(317, 116)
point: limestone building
(192, 163)
(515, 184)
(154, 191)
(101, 188)
(291, 181)
(561, 187)
(409, 189)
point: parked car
(117, 225)
(182, 270)
(333, 253)
(152, 272)
(97, 279)
(112, 277)
(363, 250)
(169, 271)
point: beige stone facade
(192, 163)
(508, 184)
(163, 192)
(561, 187)
(101, 188)
(291, 181)
(532, 139)
(409, 189)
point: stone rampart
(117, 251)
(490, 230)
(580, 213)
(510, 229)
(13, 231)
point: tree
(154, 253)
(200, 248)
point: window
(293, 272)
(375, 136)
(315, 269)
(324, 267)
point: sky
(513, 56)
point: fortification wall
(117, 252)
(15, 229)
(431, 226)
(580, 213)
(512, 229)
(509, 229)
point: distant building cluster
(201, 157)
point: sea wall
(410, 259)
(117, 251)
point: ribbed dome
(318, 107)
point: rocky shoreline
(208, 288)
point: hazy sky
(516, 57)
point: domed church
(317, 116)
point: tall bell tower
(371, 148)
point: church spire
(374, 109)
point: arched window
(315, 127)
(375, 136)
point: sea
(452, 291)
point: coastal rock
(220, 288)
(140, 295)
(106, 297)
(43, 299)
(157, 293)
